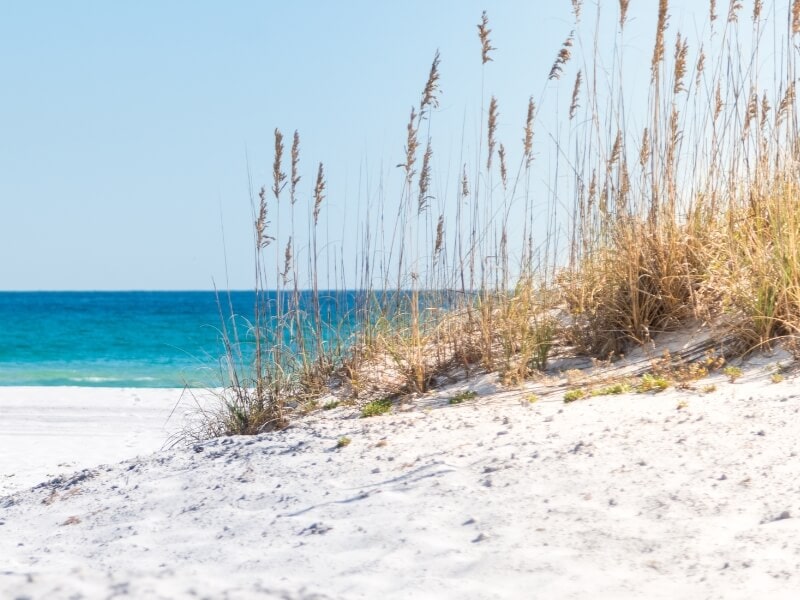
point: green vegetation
(732, 373)
(573, 395)
(653, 383)
(614, 389)
(343, 442)
(462, 397)
(376, 408)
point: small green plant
(462, 397)
(573, 395)
(613, 389)
(376, 408)
(732, 373)
(682, 404)
(532, 398)
(653, 383)
(343, 441)
(776, 377)
(330, 405)
(709, 388)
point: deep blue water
(122, 339)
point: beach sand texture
(612, 497)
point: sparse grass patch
(376, 408)
(463, 397)
(682, 404)
(653, 383)
(343, 442)
(776, 377)
(330, 405)
(574, 395)
(708, 389)
(732, 373)
(614, 389)
(531, 398)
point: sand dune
(613, 497)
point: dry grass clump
(705, 223)
(684, 206)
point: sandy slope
(613, 497)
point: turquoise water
(127, 339)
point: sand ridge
(611, 497)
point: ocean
(130, 339)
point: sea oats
(701, 65)
(527, 140)
(681, 52)
(564, 54)
(411, 147)
(573, 106)
(425, 180)
(295, 167)
(644, 151)
(624, 186)
(576, 9)
(661, 27)
(262, 238)
(437, 247)
(733, 11)
(287, 261)
(786, 104)
(430, 98)
(674, 130)
(501, 153)
(602, 205)
(765, 108)
(758, 5)
(483, 34)
(492, 130)
(319, 193)
(616, 149)
(623, 12)
(278, 176)
(796, 16)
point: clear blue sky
(125, 126)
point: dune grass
(679, 204)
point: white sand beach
(624, 496)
